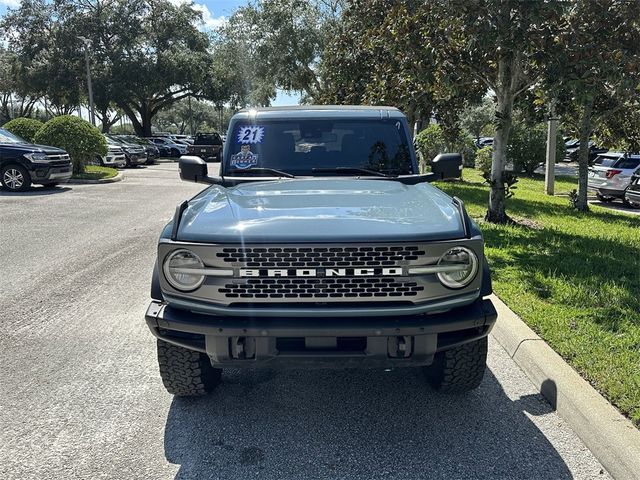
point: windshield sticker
(245, 158)
(250, 134)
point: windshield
(300, 146)
(8, 137)
(628, 163)
(207, 139)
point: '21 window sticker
(250, 134)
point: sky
(214, 13)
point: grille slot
(314, 257)
(354, 287)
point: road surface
(80, 395)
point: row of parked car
(612, 175)
(131, 151)
(23, 164)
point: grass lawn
(93, 172)
(574, 278)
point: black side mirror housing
(447, 165)
(194, 169)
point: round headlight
(177, 268)
(460, 266)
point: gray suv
(320, 244)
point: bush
(431, 141)
(484, 158)
(23, 127)
(527, 148)
(81, 140)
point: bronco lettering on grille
(318, 272)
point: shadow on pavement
(35, 191)
(620, 207)
(357, 424)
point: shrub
(527, 148)
(431, 141)
(483, 161)
(79, 138)
(23, 127)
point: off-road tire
(459, 369)
(186, 373)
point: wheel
(186, 373)
(15, 178)
(175, 152)
(459, 369)
(604, 198)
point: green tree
(596, 72)
(81, 140)
(502, 43)
(476, 117)
(25, 128)
(47, 62)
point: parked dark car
(573, 148)
(151, 150)
(23, 163)
(207, 146)
(308, 252)
(632, 195)
(135, 154)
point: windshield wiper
(272, 171)
(349, 170)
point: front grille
(355, 287)
(59, 160)
(312, 257)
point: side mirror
(447, 165)
(194, 169)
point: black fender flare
(487, 288)
(156, 291)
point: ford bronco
(320, 244)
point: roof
(322, 111)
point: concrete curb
(610, 436)
(77, 181)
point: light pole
(86, 43)
(550, 167)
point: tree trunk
(583, 156)
(145, 116)
(496, 212)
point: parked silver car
(610, 175)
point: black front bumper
(330, 341)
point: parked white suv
(610, 175)
(115, 156)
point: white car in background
(610, 175)
(115, 156)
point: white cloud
(10, 3)
(208, 20)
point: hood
(32, 148)
(320, 210)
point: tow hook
(399, 347)
(242, 348)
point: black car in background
(23, 163)
(207, 146)
(134, 153)
(151, 150)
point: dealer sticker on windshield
(245, 158)
(250, 134)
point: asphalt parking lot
(80, 396)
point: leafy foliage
(527, 148)
(595, 72)
(432, 141)
(25, 128)
(81, 140)
(483, 161)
